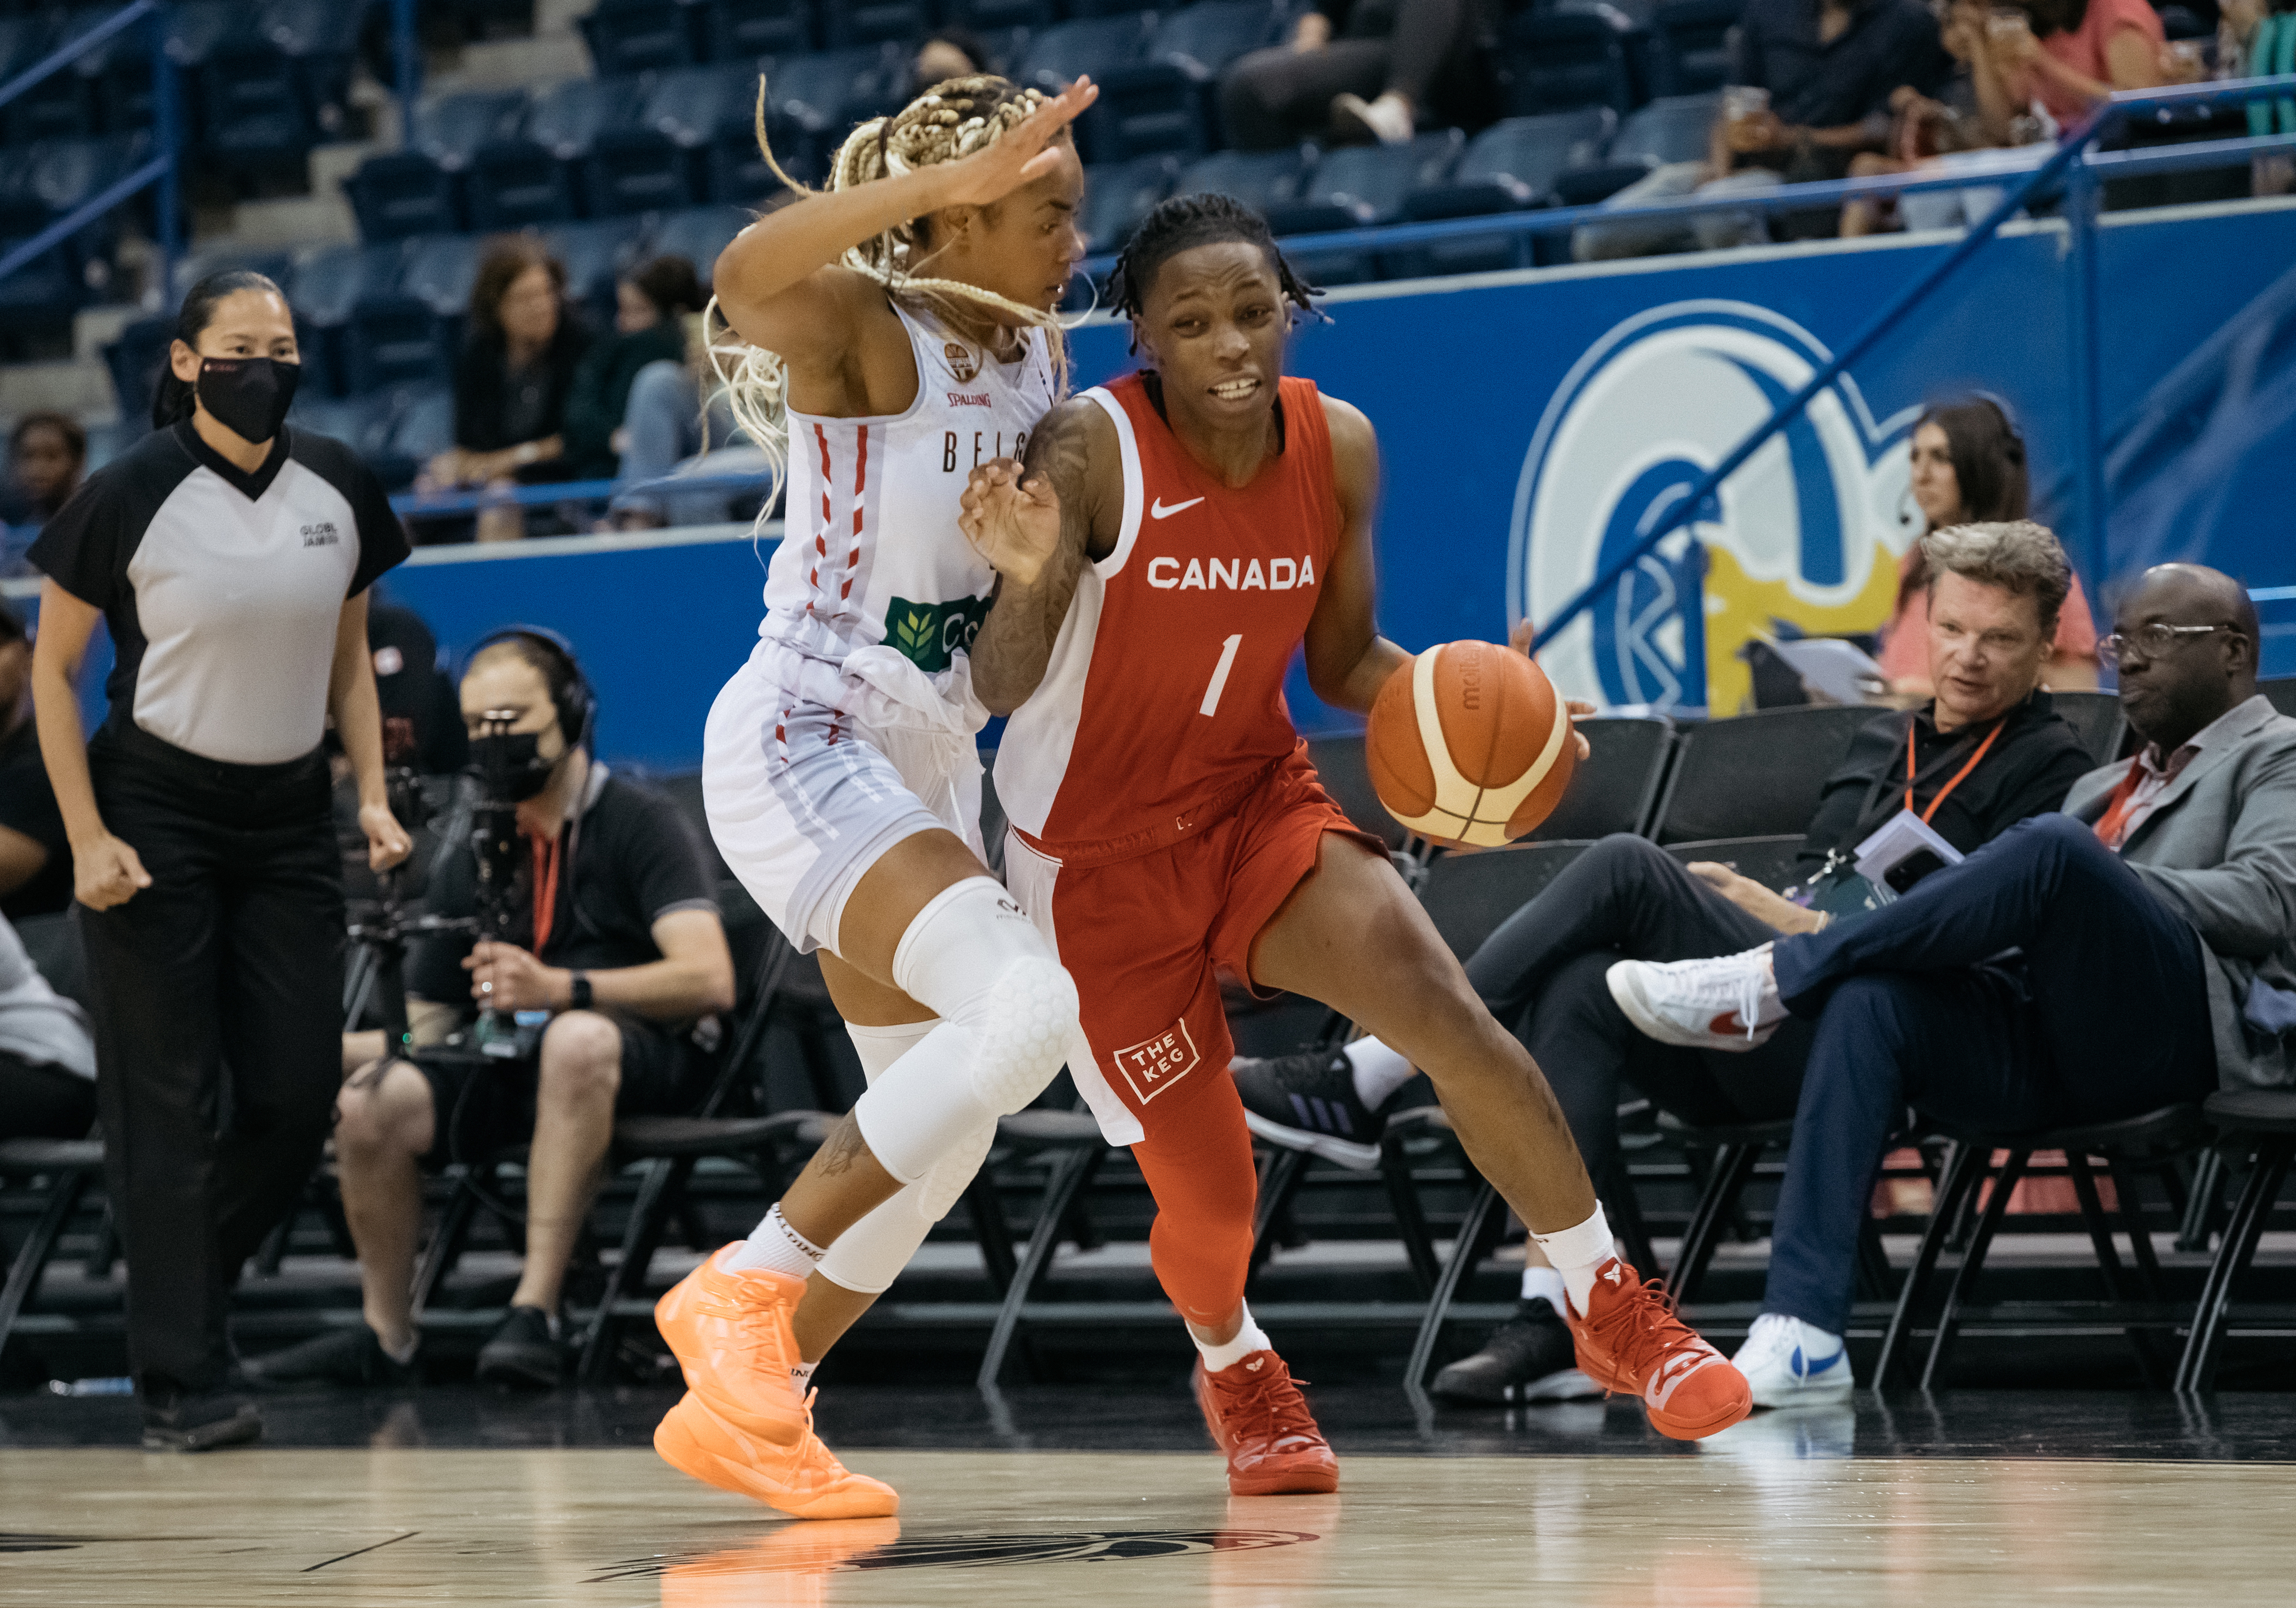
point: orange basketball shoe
(1631, 1341)
(1260, 1421)
(730, 1331)
(803, 1480)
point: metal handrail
(2071, 159)
(412, 504)
(65, 54)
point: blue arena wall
(1530, 422)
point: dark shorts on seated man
(483, 1104)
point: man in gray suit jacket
(2083, 967)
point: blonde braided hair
(951, 120)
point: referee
(230, 556)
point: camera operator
(600, 923)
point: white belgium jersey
(871, 552)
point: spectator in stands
(2087, 966)
(1989, 753)
(512, 381)
(635, 380)
(47, 455)
(36, 865)
(614, 932)
(952, 52)
(1365, 69)
(47, 1060)
(2256, 38)
(2075, 53)
(1969, 468)
(1825, 74)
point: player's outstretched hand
(1023, 155)
(1013, 522)
(1519, 639)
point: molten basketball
(1470, 743)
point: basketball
(1470, 743)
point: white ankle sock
(801, 1375)
(1247, 1339)
(1542, 1283)
(1379, 1071)
(776, 1247)
(1577, 1252)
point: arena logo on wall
(1807, 534)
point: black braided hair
(1182, 224)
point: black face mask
(249, 396)
(510, 765)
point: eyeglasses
(2151, 641)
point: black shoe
(523, 1352)
(353, 1358)
(199, 1420)
(1308, 1102)
(1529, 1359)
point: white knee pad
(972, 956)
(870, 1255)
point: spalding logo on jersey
(1808, 533)
(927, 634)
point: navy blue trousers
(2103, 1014)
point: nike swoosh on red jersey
(1157, 511)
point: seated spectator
(1361, 70)
(608, 402)
(1826, 75)
(614, 932)
(2076, 52)
(47, 1056)
(1987, 753)
(2253, 38)
(512, 381)
(681, 422)
(953, 53)
(36, 863)
(47, 455)
(1969, 468)
(2089, 966)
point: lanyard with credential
(1929, 814)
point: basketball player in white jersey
(900, 331)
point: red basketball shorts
(1144, 938)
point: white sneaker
(1788, 1362)
(1729, 1003)
(1386, 120)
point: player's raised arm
(781, 283)
(1348, 659)
(1038, 525)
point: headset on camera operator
(586, 947)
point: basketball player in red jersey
(1189, 526)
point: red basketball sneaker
(1260, 1421)
(1631, 1341)
(730, 1329)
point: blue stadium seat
(742, 30)
(534, 178)
(278, 83)
(641, 36)
(121, 69)
(326, 286)
(814, 101)
(1690, 50)
(1100, 46)
(409, 336)
(847, 23)
(1261, 179)
(1514, 164)
(397, 194)
(1117, 195)
(1108, 8)
(661, 161)
(593, 254)
(107, 441)
(1556, 60)
(363, 423)
(273, 263)
(62, 106)
(1670, 130)
(59, 176)
(134, 357)
(422, 427)
(1167, 100)
(699, 236)
(986, 16)
(1365, 185)
(42, 294)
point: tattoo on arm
(1015, 644)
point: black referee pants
(217, 995)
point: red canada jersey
(1163, 705)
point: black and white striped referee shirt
(222, 589)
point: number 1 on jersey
(1219, 675)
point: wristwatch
(578, 991)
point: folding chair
(1072, 1139)
(59, 1172)
(2150, 1142)
(1753, 775)
(2259, 1123)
